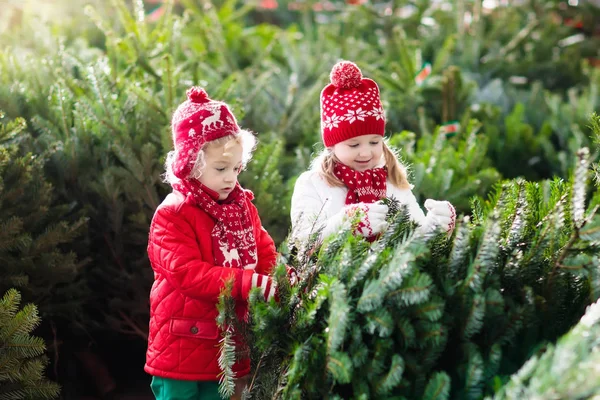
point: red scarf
(234, 244)
(363, 187)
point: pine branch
(227, 320)
(565, 370)
(338, 316)
(438, 387)
(22, 362)
(226, 361)
(486, 256)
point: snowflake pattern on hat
(350, 106)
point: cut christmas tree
(416, 315)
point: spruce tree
(415, 315)
(36, 231)
(565, 370)
(22, 359)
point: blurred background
(474, 91)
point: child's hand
(441, 213)
(267, 285)
(372, 221)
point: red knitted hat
(196, 121)
(350, 105)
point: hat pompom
(345, 75)
(197, 95)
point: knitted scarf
(363, 187)
(234, 244)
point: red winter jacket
(183, 337)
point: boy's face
(222, 168)
(360, 153)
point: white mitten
(372, 219)
(440, 214)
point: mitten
(267, 285)
(440, 214)
(372, 219)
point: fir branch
(227, 347)
(22, 362)
(438, 387)
(391, 276)
(577, 209)
(380, 321)
(486, 255)
(432, 310)
(494, 302)
(406, 332)
(226, 361)
(475, 310)
(519, 220)
(493, 362)
(567, 370)
(377, 256)
(339, 366)
(415, 290)
(339, 316)
(579, 188)
(591, 231)
(392, 378)
(474, 373)
(460, 249)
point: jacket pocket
(194, 328)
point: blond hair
(244, 138)
(324, 163)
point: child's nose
(230, 177)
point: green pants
(172, 389)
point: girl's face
(360, 153)
(223, 163)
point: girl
(205, 232)
(357, 168)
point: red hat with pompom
(196, 121)
(350, 105)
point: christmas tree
(416, 315)
(567, 370)
(35, 230)
(22, 360)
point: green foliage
(512, 139)
(227, 356)
(566, 370)
(36, 232)
(452, 168)
(432, 317)
(22, 359)
(541, 135)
